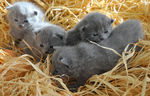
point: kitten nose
(102, 38)
(20, 26)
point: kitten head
(65, 61)
(50, 36)
(22, 14)
(95, 27)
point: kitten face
(49, 37)
(20, 21)
(95, 27)
(82, 61)
(76, 60)
(82, 64)
(127, 32)
(23, 15)
(65, 61)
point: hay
(20, 76)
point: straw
(130, 77)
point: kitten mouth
(90, 40)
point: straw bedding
(19, 76)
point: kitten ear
(35, 13)
(83, 28)
(110, 20)
(66, 62)
(35, 33)
(9, 7)
(61, 36)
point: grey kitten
(127, 32)
(44, 37)
(29, 38)
(94, 26)
(49, 37)
(22, 15)
(84, 59)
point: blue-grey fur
(49, 37)
(94, 26)
(84, 59)
(29, 38)
(127, 32)
(21, 16)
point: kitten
(94, 26)
(36, 52)
(44, 38)
(127, 32)
(21, 16)
(29, 38)
(84, 59)
(49, 37)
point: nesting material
(20, 76)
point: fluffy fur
(49, 37)
(84, 59)
(43, 37)
(94, 26)
(127, 32)
(21, 16)
(29, 38)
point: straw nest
(23, 77)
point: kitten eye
(41, 45)
(26, 21)
(67, 66)
(51, 46)
(95, 34)
(16, 20)
(106, 31)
